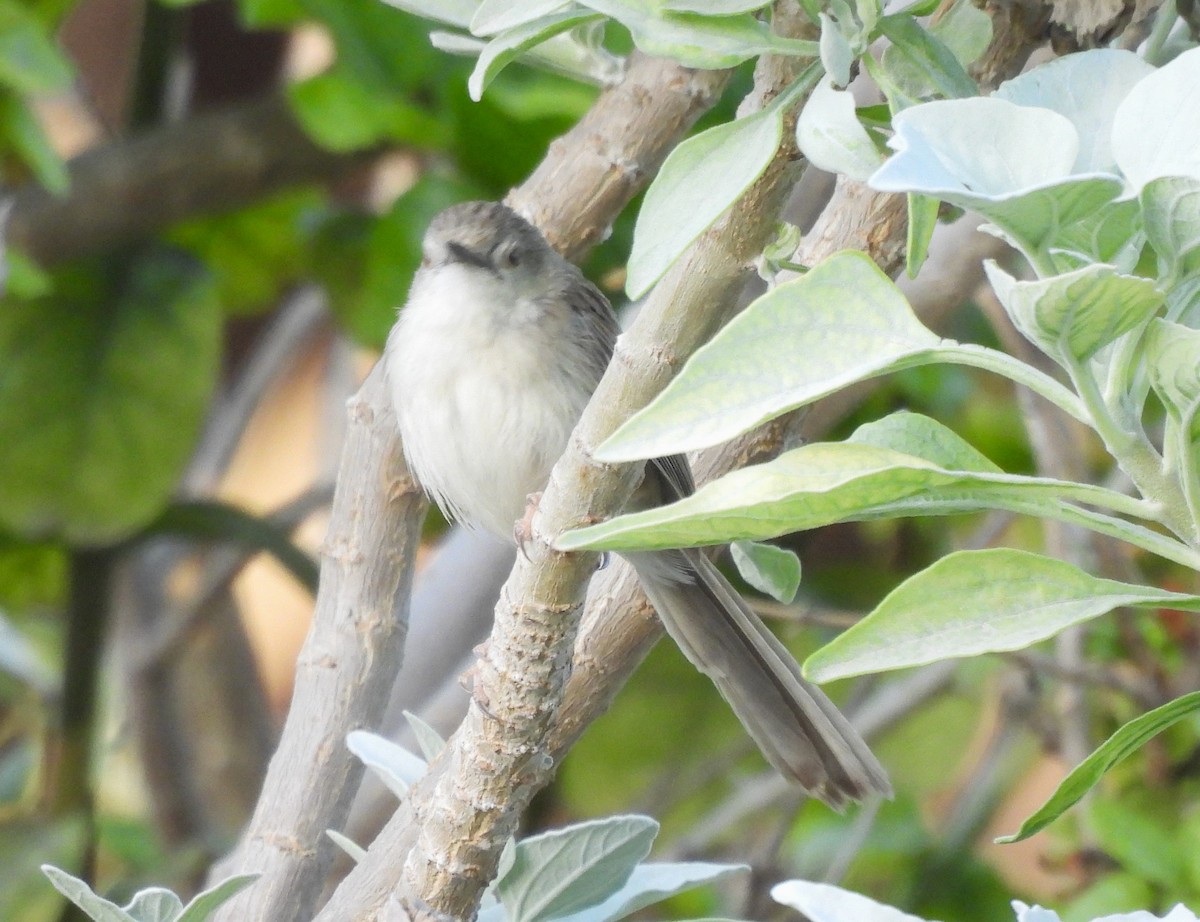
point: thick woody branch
(496, 761)
(127, 190)
(344, 672)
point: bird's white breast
(485, 396)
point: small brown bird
(490, 365)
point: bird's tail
(795, 725)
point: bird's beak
(467, 256)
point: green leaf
(919, 52)
(203, 903)
(1075, 315)
(428, 739)
(508, 45)
(830, 135)
(155, 904)
(20, 127)
(381, 46)
(1085, 88)
(839, 323)
(965, 29)
(212, 520)
(974, 602)
(263, 14)
(394, 765)
(922, 222)
(79, 893)
(713, 7)
(1012, 164)
(342, 113)
(772, 570)
(1111, 235)
(924, 438)
(566, 870)
(698, 41)
(495, 16)
(829, 482)
(102, 394)
(1156, 129)
(652, 882)
(1087, 774)
(254, 253)
(1171, 213)
(30, 62)
(699, 180)
(1173, 360)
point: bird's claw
(523, 529)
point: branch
(471, 801)
(344, 671)
(354, 647)
(127, 190)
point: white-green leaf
(772, 570)
(829, 482)
(698, 41)
(506, 47)
(921, 61)
(713, 7)
(1085, 88)
(699, 180)
(827, 903)
(836, 53)
(566, 870)
(155, 904)
(842, 321)
(79, 893)
(830, 135)
(494, 16)
(203, 904)
(1173, 359)
(1111, 235)
(924, 438)
(428, 739)
(457, 43)
(974, 602)
(1078, 313)
(651, 883)
(1010, 163)
(1171, 214)
(1156, 130)
(452, 12)
(965, 29)
(352, 849)
(394, 765)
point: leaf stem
(1134, 453)
(1015, 370)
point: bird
(489, 366)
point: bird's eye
(512, 258)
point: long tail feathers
(795, 725)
